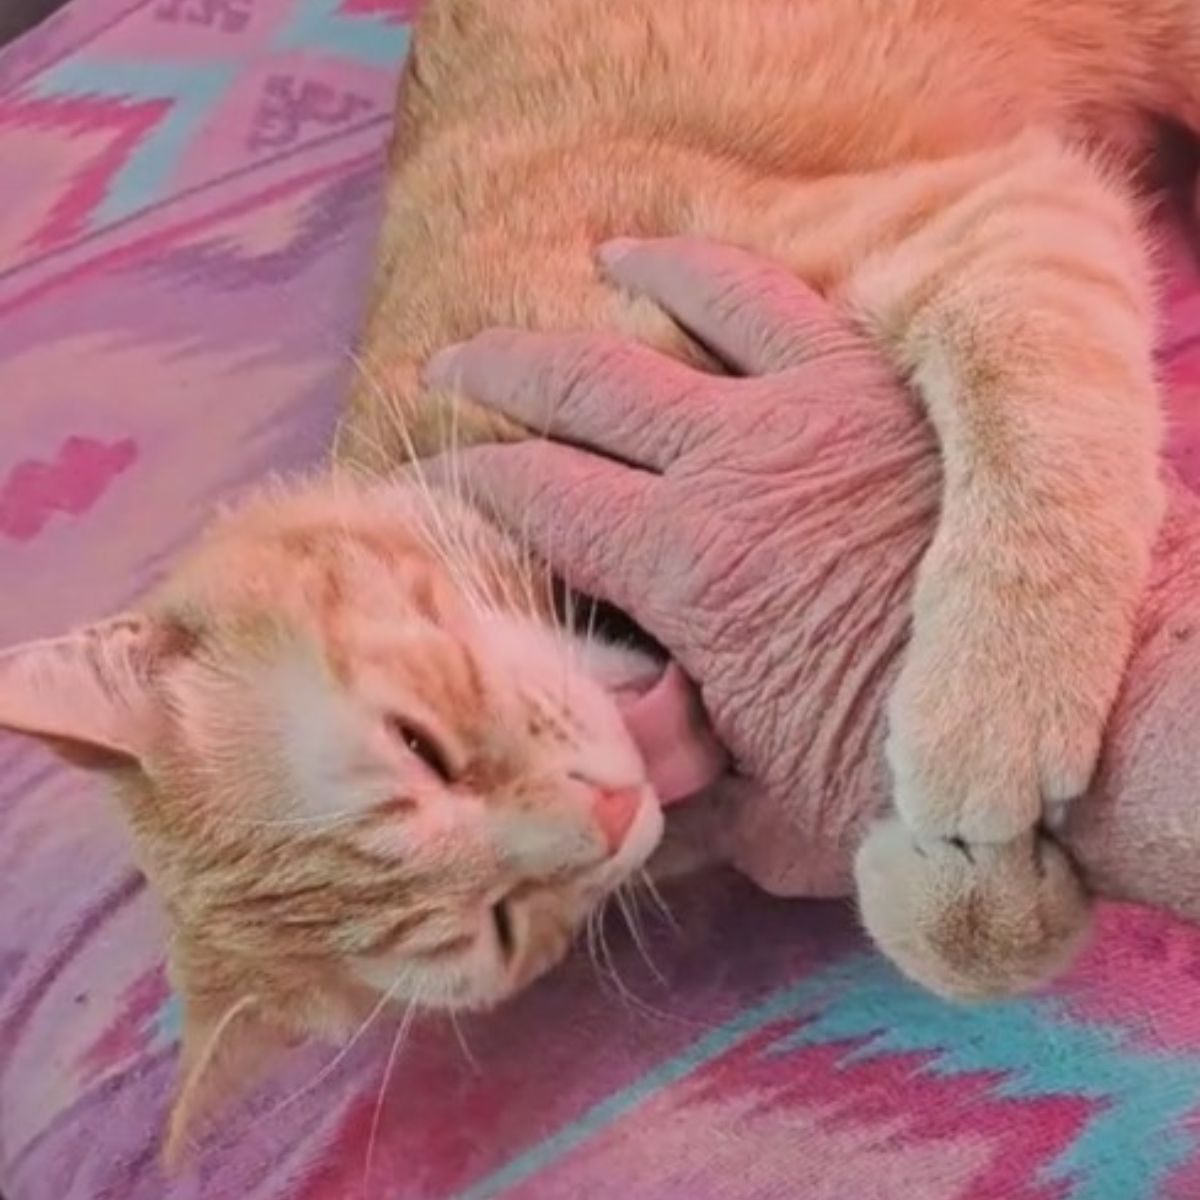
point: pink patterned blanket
(186, 217)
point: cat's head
(362, 764)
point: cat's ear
(229, 1044)
(91, 690)
(226, 1048)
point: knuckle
(586, 365)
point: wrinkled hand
(763, 527)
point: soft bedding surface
(189, 190)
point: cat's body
(825, 134)
(959, 179)
(927, 164)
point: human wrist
(1137, 832)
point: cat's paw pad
(971, 922)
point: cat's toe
(971, 921)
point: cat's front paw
(1021, 631)
(971, 923)
(996, 720)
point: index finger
(592, 389)
(752, 313)
(589, 518)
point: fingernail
(441, 367)
(611, 253)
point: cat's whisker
(398, 1041)
(609, 961)
(604, 961)
(464, 1045)
(476, 569)
(589, 634)
(347, 462)
(322, 821)
(451, 451)
(656, 898)
(388, 406)
(504, 564)
(501, 572)
(341, 518)
(566, 627)
(505, 578)
(527, 565)
(358, 429)
(370, 442)
(628, 997)
(660, 1014)
(340, 1057)
(593, 919)
(450, 547)
(633, 920)
(536, 577)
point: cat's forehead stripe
(445, 676)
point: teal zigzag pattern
(190, 91)
(363, 37)
(1030, 1048)
(1035, 1050)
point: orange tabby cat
(360, 761)
(957, 177)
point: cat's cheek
(437, 825)
(618, 668)
(471, 978)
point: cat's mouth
(532, 926)
(664, 716)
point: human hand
(765, 528)
(708, 519)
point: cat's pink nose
(614, 810)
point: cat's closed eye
(502, 923)
(422, 745)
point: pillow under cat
(361, 758)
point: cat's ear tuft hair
(91, 692)
(226, 1048)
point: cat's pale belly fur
(930, 166)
